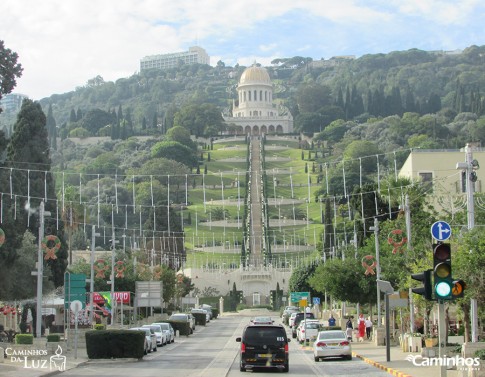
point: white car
(332, 343)
(291, 321)
(308, 333)
(168, 331)
(161, 336)
(150, 339)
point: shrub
(182, 327)
(200, 318)
(99, 326)
(24, 339)
(215, 313)
(480, 354)
(53, 338)
(108, 344)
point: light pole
(40, 271)
(91, 281)
(375, 228)
(386, 288)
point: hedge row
(108, 344)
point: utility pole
(40, 271)
(469, 166)
(375, 228)
(91, 281)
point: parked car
(184, 317)
(161, 337)
(167, 330)
(332, 343)
(150, 339)
(298, 319)
(308, 332)
(288, 311)
(263, 346)
(262, 321)
(208, 308)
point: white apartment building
(194, 55)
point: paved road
(213, 352)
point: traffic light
(443, 280)
(458, 289)
(426, 290)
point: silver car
(168, 331)
(161, 336)
(332, 343)
(150, 339)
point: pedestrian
(368, 327)
(361, 327)
(350, 329)
(331, 320)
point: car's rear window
(331, 335)
(312, 325)
(264, 335)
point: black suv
(264, 346)
(299, 317)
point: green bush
(24, 339)
(200, 319)
(53, 338)
(109, 344)
(182, 327)
(215, 313)
(99, 326)
(480, 354)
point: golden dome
(255, 75)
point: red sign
(119, 297)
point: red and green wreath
(120, 269)
(100, 266)
(396, 242)
(51, 244)
(2, 236)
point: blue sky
(64, 43)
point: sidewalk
(400, 363)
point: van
(264, 346)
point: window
(427, 179)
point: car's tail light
(286, 348)
(344, 343)
(321, 344)
(243, 347)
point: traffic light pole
(442, 336)
(469, 166)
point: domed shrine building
(253, 112)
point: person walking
(361, 327)
(368, 327)
(349, 329)
(331, 321)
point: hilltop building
(253, 112)
(194, 55)
(12, 102)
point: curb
(391, 371)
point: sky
(63, 43)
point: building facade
(194, 55)
(253, 112)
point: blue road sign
(441, 231)
(316, 300)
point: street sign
(441, 231)
(298, 296)
(75, 288)
(316, 300)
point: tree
(28, 155)
(10, 70)
(174, 150)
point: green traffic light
(442, 289)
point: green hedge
(200, 319)
(109, 344)
(215, 313)
(24, 339)
(182, 327)
(99, 326)
(53, 338)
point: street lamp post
(40, 271)
(386, 288)
(375, 228)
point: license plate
(267, 355)
(332, 344)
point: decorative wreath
(397, 245)
(100, 267)
(2, 236)
(120, 268)
(50, 252)
(369, 268)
